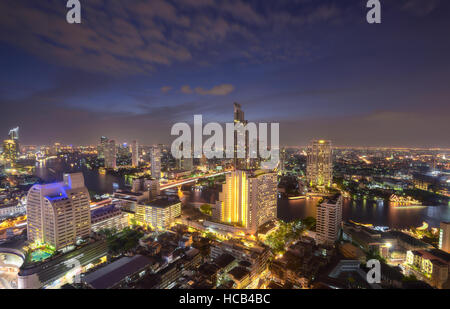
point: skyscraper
(186, 164)
(329, 219)
(14, 134)
(444, 237)
(319, 165)
(247, 200)
(102, 147)
(156, 162)
(240, 163)
(10, 151)
(135, 154)
(110, 154)
(59, 213)
(11, 147)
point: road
(190, 180)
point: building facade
(444, 237)
(135, 154)
(110, 153)
(107, 218)
(247, 200)
(59, 213)
(319, 165)
(159, 213)
(156, 162)
(329, 220)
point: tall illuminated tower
(11, 148)
(14, 134)
(59, 213)
(240, 163)
(319, 165)
(10, 151)
(156, 162)
(248, 200)
(135, 154)
(110, 154)
(102, 147)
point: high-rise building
(444, 237)
(185, 164)
(11, 148)
(329, 220)
(135, 154)
(319, 165)
(110, 154)
(240, 163)
(14, 134)
(156, 162)
(10, 151)
(102, 147)
(248, 200)
(152, 186)
(59, 213)
(282, 166)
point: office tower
(329, 220)
(444, 237)
(240, 163)
(153, 187)
(10, 151)
(14, 134)
(282, 167)
(102, 147)
(185, 164)
(319, 165)
(135, 154)
(56, 148)
(123, 151)
(59, 213)
(247, 200)
(254, 160)
(159, 213)
(110, 154)
(156, 162)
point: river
(369, 212)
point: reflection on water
(53, 170)
(370, 212)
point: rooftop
(163, 202)
(110, 275)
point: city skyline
(317, 68)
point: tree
(206, 209)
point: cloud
(142, 36)
(421, 7)
(166, 89)
(219, 90)
(186, 89)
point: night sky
(134, 68)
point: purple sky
(134, 68)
